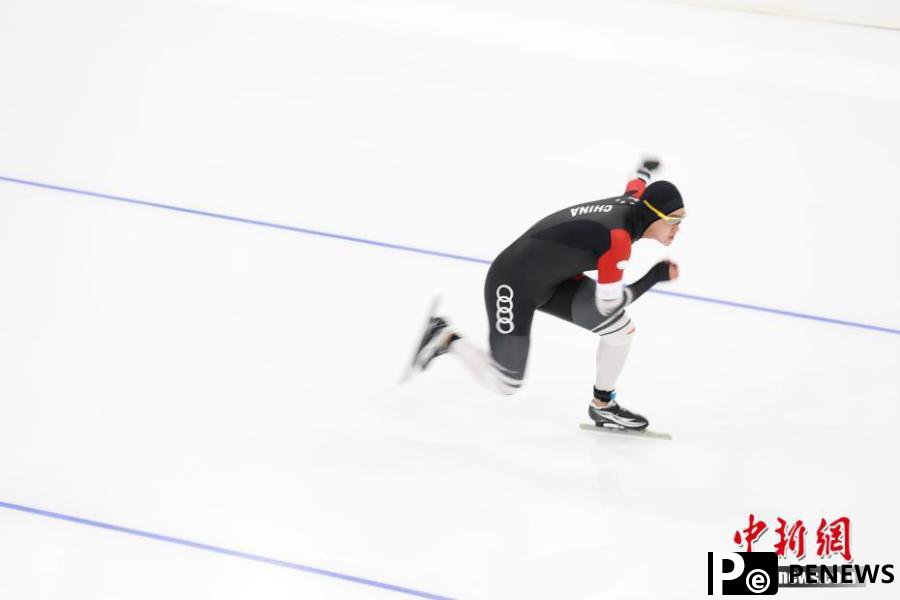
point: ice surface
(235, 385)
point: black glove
(650, 163)
(658, 272)
(661, 270)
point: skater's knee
(508, 387)
(622, 336)
(505, 381)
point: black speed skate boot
(613, 414)
(436, 339)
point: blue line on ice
(360, 240)
(219, 550)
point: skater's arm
(661, 271)
(642, 177)
(611, 294)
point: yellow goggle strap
(659, 214)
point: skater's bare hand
(673, 271)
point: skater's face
(664, 231)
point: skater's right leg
(487, 371)
(501, 377)
(510, 309)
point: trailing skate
(435, 340)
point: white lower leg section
(612, 350)
(485, 370)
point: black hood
(639, 220)
(664, 196)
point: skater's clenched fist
(673, 270)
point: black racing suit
(543, 270)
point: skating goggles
(666, 218)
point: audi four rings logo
(505, 309)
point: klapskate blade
(432, 308)
(644, 433)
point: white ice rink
(234, 385)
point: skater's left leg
(574, 302)
(612, 352)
